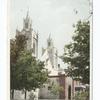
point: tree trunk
(12, 95)
(25, 94)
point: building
(32, 35)
(57, 75)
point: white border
(96, 50)
(3, 50)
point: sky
(55, 17)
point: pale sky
(54, 17)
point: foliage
(77, 53)
(31, 73)
(16, 46)
(56, 89)
(84, 95)
(32, 96)
(26, 72)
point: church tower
(32, 36)
(52, 52)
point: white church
(57, 75)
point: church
(57, 75)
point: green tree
(26, 73)
(31, 73)
(77, 53)
(16, 46)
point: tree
(31, 73)
(16, 46)
(26, 73)
(77, 53)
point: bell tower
(32, 35)
(52, 53)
